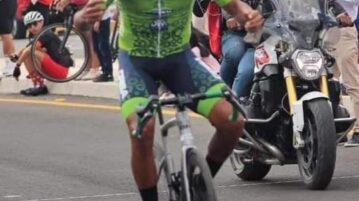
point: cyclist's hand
(16, 73)
(14, 58)
(61, 4)
(94, 10)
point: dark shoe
(354, 142)
(26, 92)
(35, 91)
(103, 78)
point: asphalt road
(53, 150)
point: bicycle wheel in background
(200, 184)
(72, 45)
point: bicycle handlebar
(145, 113)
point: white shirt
(351, 7)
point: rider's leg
(142, 159)
(245, 73)
(233, 49)
(191, 76)
(225, 137)
(37, 80)
(136, 84)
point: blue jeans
(101, 41)
(237, 67)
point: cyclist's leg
(136, 85)
(50, 67)
(190, 75)
(36, 79)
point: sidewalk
(8, 85)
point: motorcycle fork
(292, 92)
(324, 88)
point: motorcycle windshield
(301, 20)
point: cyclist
(154, 37)
(52, 62)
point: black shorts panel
(7, 16)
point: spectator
(101, 42)
(52, 62)
(237, 56)
(346, 55)
(7, 16)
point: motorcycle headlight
(308, 63)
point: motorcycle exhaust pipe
(268, 148)
(268, 161)
(273, 150)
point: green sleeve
(223, 2)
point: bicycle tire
(201, 187)
(75, 70)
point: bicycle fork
(187, 142)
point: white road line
(280, 182)
(12, 196)
(85, 197)
(220, 186)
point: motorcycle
(294, 114)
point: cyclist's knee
(145, 142)
(220, 117)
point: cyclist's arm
(250, 18)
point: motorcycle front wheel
(316, 160)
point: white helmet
(32, 16)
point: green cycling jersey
(156, 28)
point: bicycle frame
(181, 121)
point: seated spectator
(52, 62)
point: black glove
(14, 58)
(16, 74)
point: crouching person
(48, 57)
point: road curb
(78, 88)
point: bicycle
(72, 41)
(194, 181)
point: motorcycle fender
(298, 110)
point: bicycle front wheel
(59, 53)
(200, 184)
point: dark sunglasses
(31, 24)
